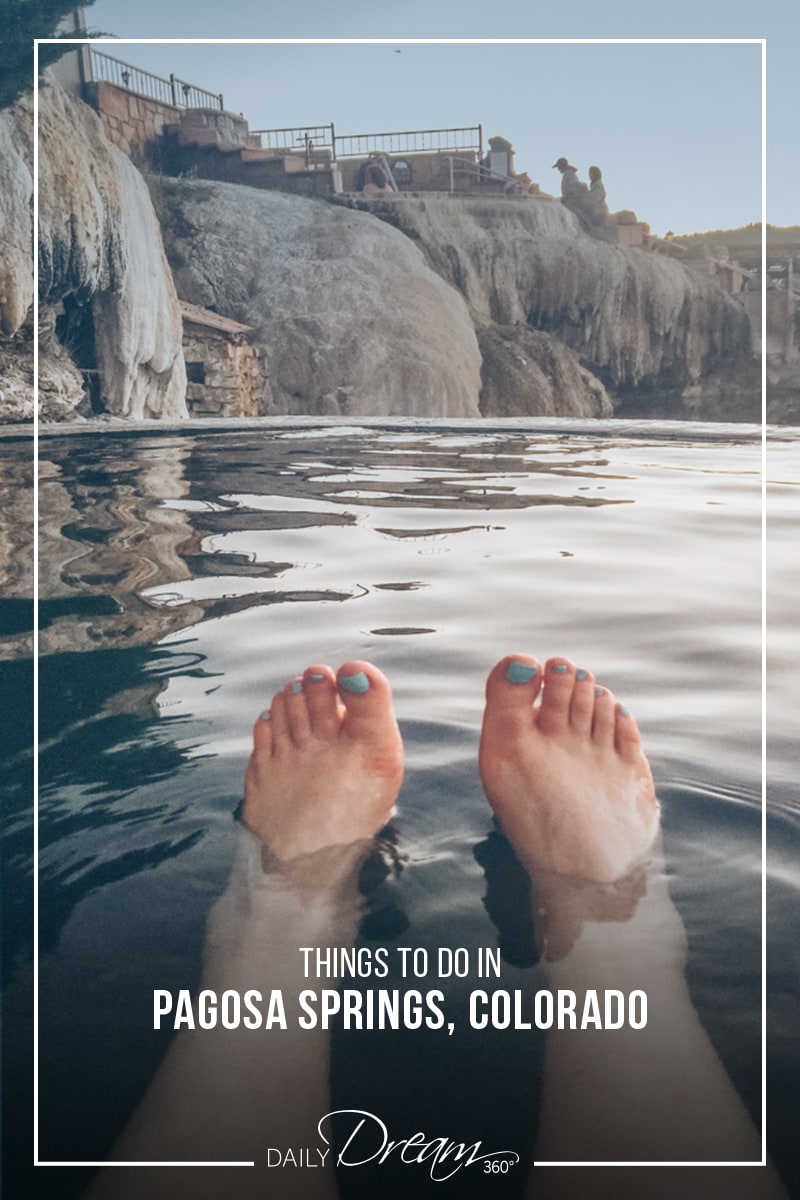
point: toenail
(560, 669)
(518, 672)
(580, 673)
(297, 687)
(598, 691)
(357, 684)
(266, 715)
(315, 677)
(623, 712)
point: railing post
(788, 345)
(221, 103)
(333, 143)
(480, 142)
(173, 90)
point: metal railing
(308, 138)
(410, 141)
(462, 166)
(305, 138)
(174, 91)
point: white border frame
(403, 41)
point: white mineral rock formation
(349, 316)
(418, 306)
(99, 244)
(352, 318)
(529, 373)
(16, 192)
(636, 318)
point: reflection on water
(183, 579)
(141, 526)
(132, 530)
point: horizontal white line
(635, 1163)
(105, 1163)
(109, 41)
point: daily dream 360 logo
(366, 1140)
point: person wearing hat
(571, 186)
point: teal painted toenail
(623, 712)
(560, 669)
(315, 677)
(518, 672)
(266, 715)
(357, 684)
(598, 691)
(580, 673)
(297, 687)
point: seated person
(573, 190)
(597, 193)
(376, 182)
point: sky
(675, 128)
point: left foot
(327, 761)
(567, 778)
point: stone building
(223, 373)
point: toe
(367, 698)
(626, 733)
(559, 682)
(581, 707)
(297, 712)
(324, 713)
(603, 717)
(262, 734)
(279, 723)
(512, 686)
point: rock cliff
(348, 316)
(639, 322)
(16, 197)
(104, 285)
(413, 306)
(353, 319)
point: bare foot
(327, 761)
(567, 779)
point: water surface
(185, 578)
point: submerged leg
(323, 777)
(564, 771)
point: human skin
(327, 762)
(322, 780)
(564, 771)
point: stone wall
(232, 383)
(213, 127)
(130, 120)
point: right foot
(567, 778)
(327, 761)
